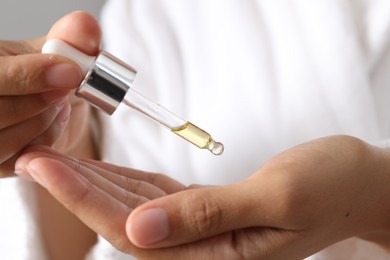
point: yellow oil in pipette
(199, 137)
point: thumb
(190, 215)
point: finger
(165, 183)
(192, 215)
(35, 73)
(79, 130)
(16, 137)
(21, 47)
(19, 108)
(48, 137)
(127, 190)
(131, 185)
(79, 29)
(124, 196)
(100, 211)
(34, 45)
(51, 134)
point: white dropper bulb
(55, 46)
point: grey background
(25, 19)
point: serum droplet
(217, 149)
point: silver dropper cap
(107, 82)
(107, 79)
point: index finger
(36, 73)
(21, 47)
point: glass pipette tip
(177, 125)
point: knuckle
(77, 198)
(133, 200)
(205, 214)
(133, 186)
(130, 200)
(22, 78)
(18, 74)
(154, 178)
(26, 47)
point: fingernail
(64, 114)
(149, 226)
(30, 169)
(63, 75)
(60, 103)
(24, 175)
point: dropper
(108, 82)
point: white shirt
(259, 76)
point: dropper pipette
(107, 83)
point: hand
(301, 201)
(109, 191)
(34, 89)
